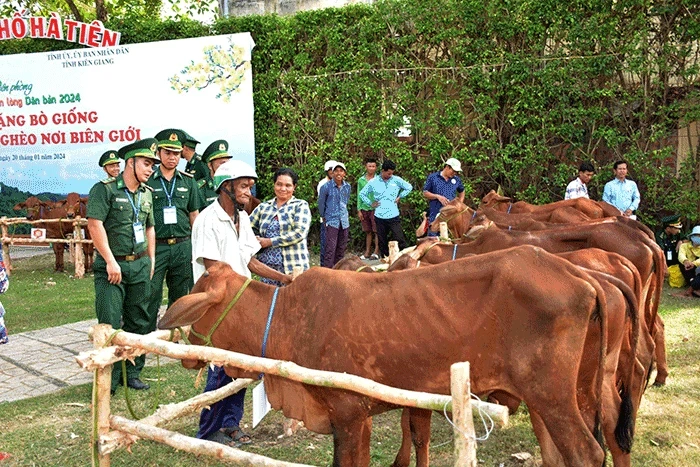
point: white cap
(231, 170)
(339, 164)
(329, 165)
(454, 163)
(695, 231)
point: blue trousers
(227, 412)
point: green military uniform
(216, 150)
(668, 242)
(173, 201)
(196, 166)
(123, 215)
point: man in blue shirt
(622, 193)
(333, 201)
(387, 189)
(442, 187)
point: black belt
(130, 258)
(171, 241)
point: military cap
(189, 141)
(141, 148)
(216, 150)
(672, 221)
(171, 139)
(109, 157)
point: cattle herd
(64, 211)
(552, 305)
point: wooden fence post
(444, 233)
(78, 255)
(465, 442)
(101, 398)
(5, 247)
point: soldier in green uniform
(176, 203)
(670, 238)
(109, 161)
(215, 155)
(195, 165)
(120, 220)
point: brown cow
(36, 210)
(77, 206)
(592, 209)
(495, 314)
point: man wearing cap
(578, 188)
(109, 161)
(176, 203)
(669, 239)
(333, 206)
(328, 168)
(120, 221)
(195, 165)
(442, 187)
(388, 189)
(215, 155)
(222, 232)
(689, 257)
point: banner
(59, 111)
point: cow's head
(36, 209)
(203, 306)
(493, 200)
(456, 215)
(73, 205)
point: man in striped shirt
(578, 188)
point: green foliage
(521, 92)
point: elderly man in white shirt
(578, 188)
(222, 232)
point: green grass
(53, 430)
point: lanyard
(172, 190)
(137, 210)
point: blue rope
(510, 206)
(454, 252)
(269, 322)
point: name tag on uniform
(170, 215)
(669, 255)
(139, 236)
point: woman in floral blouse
(282, 225)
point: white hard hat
(454, 163)
(231, 170)
(329, 165)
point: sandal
(237, 435)
(221, 438)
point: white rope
(488, 427)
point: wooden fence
(111, 432)
(75, 242)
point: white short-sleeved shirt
(576, 189)
(214, 237)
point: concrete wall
(281, 7)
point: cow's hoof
(658, 384)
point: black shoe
(112, 391)
(135, 383)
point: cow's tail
(624, 430)
(601, 315)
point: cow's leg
(58, 252)
(351, 440)
(611, 414)
(569, 433)
(660, 353)
(420, 432)
(403, 457)
(548, 450)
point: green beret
(171, 139)
(190, 142)
(216, 150)
(672, 221)
(141, 148)
(110, 157)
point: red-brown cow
(76, 206)
(508, 326)
(591, 208)
(36, 210)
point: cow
(481, 309)
(75, 206)
(622, 394)
(592, 209)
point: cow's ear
(186, 310)
(19, 206)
